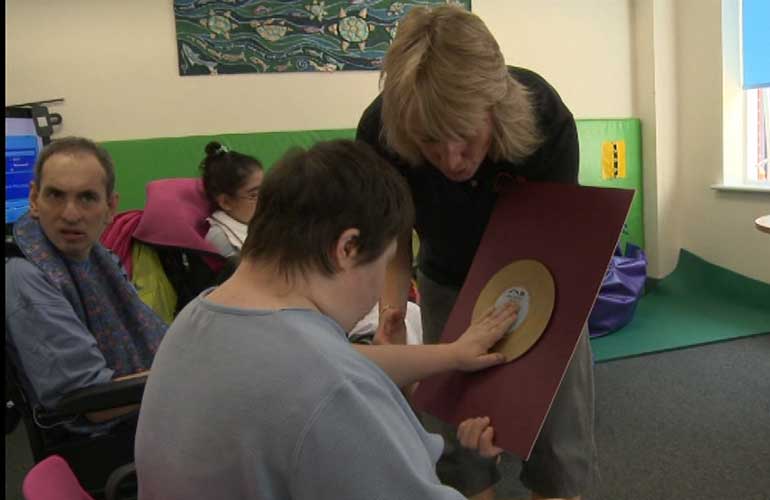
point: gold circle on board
(531, 282)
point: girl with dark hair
(231, 181)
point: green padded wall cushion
(596, 135)
(140, 161)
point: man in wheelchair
(72, 318)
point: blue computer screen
(22, 145)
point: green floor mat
(696, 304)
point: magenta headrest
(175, 215)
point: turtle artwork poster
(279, 36)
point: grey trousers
(563, 460)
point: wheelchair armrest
(121, 481)
(103, 396)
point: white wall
(718, 226)
(666, 228)
(644, 107)
(582, 47)
(115, 63)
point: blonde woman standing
(456, 122)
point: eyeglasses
(251, 196)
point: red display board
(573, 231)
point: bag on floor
(620, 292)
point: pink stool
(53, 479)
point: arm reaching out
(392, 329)
(410, 363)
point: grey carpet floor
(687, 424)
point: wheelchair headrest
(175, 215)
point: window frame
(735, 139)
(751, 137)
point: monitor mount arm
(44, 121)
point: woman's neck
(259, 286)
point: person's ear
(112, 207)
(346, 250)
(224, 202)
(34, 193)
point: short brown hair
(308, 198)
(73, 145)
(442, 74)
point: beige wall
(643, 91)
(668, 176)
(582, 47)
(115, 64)
(718, 226)
(678, 92)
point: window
(755, 59)
(745, 93)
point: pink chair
(52, 479)
(175, 215)
(174, 223)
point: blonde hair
(441, 76)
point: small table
(763, 223)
